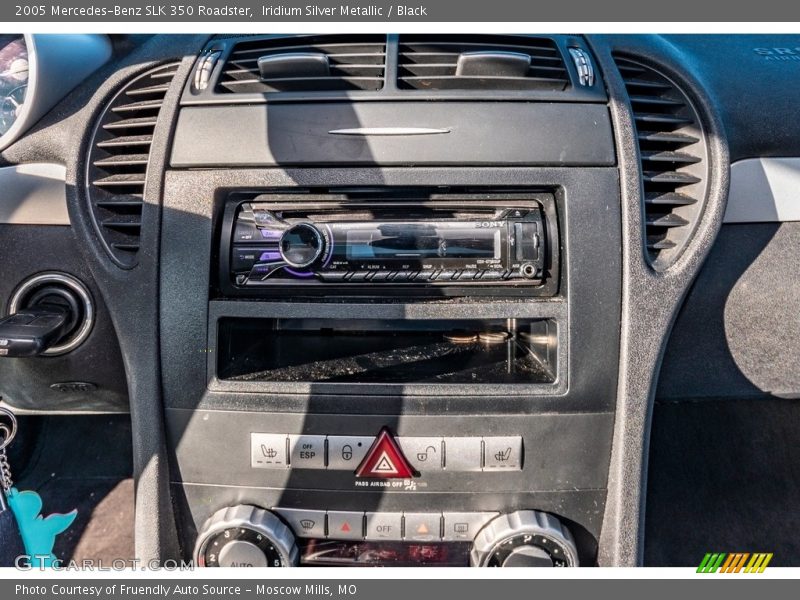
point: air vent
(480, 62)
(118, 162)
(305, 64)
(674, 160)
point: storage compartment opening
(473, 351)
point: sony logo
(485, 224)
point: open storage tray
(362, 349)
(459, 351)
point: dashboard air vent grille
(118, 160)
(673, 160)
(305, 64)
(480, 62)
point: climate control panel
(250, 536)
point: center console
(400, 347)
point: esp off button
(307, 451)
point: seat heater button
(268, 451)
(345, 452)
(384, 526)
(345, 525)
(463, 454)
(304, 523)
(459, 527)
(502, 453)
(307, 451)
(423, 527)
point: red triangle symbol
(345, 527)
(385, 460)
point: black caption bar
(387, 589)
(467, 11)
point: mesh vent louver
(674, 160)
(118, 162)
(356, 62)
(429, 62)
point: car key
(33, 330)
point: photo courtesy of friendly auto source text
(467, 291)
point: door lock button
(346, 452)
(424, 453)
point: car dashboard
(388, 299)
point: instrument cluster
(13, 79)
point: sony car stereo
(445, 244)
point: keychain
(37, 533)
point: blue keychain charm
(38, 533)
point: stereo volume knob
(245, 536)
(526, 538)
(301, 245)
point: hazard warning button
(385, 460)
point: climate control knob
(526, 538)
(302, 245)
(245, 536)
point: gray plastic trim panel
(34, 194)
(479, 133)
(764, 190)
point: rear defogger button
(460, 527)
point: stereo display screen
(420, 240)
